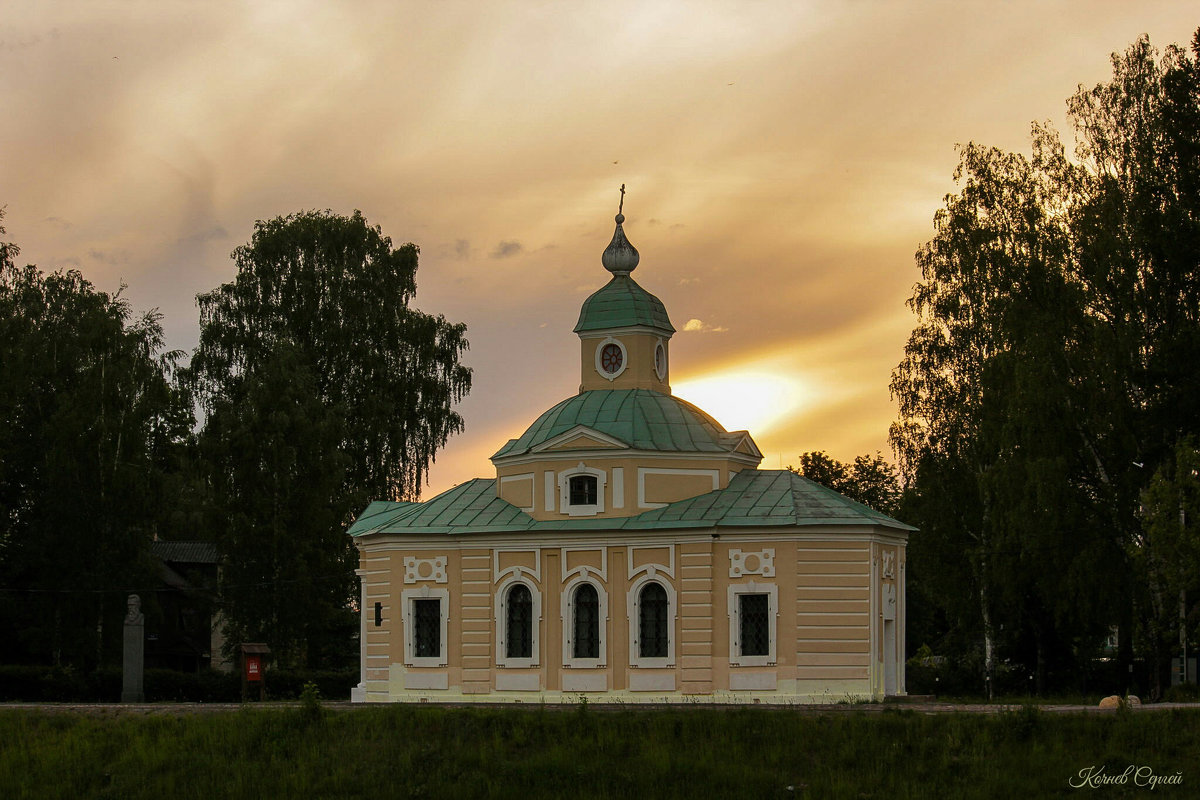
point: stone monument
(134, 652)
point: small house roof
(754, 498)
(186, 552)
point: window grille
(652, 623)
(754, 613)
(583, 490)
(427, 627)
(519, 623)
(587, 623)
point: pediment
(582, 437)
(741, 442)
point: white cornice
(601, 333)
(617, 538)
(605, 453)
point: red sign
(253, 669)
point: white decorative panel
(587, 682)
(752, 681)
(889, 601)
(518, 682)
(889, 564)
(641, 681)
(752, 562)
(425, 569)
(426, 680)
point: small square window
(755, 623)
(583, 490)
(753, 609)
(427, 627)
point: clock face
(611, 358)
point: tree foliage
(1058, 324)
(323, 390)
(870, 480)
(90, 428)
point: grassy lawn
(426, 751)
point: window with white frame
(585, 614)
(753, 609)
(652, 624)
(518, 618)
(581, 491)
(426, 612)
(519, 622)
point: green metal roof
(621, 303)
(641, 418)
(754, 498)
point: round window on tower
(660, 361)
(611, 359)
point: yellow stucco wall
(639, 372)
(827, 628)
(632, 484)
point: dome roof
(621, 303)
(643, 419)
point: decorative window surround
(752, 562)
(564, 491)
(584, 570)
(612, 376)
(424, 569)
(568, 623)
(667, 569)
(660, 360)
(502, 592)
(633, 603)
(736, 658)
(516, 570)
(407, 598)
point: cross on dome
(620, 257)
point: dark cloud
(207, 235)
(13, 43)
(109, 256)
(58, 223)
(462, 248)
(507, 250)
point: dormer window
(583, 490)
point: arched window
(652, 621)
(586, 640)
(519, 622)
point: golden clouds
(783, 160)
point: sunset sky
(783, 161)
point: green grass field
(423, 751)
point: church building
(629, 549)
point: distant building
(629, 549)
(188, 635)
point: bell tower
(624, 331)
